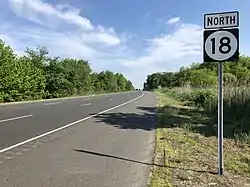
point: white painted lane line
(110, 99)
(15, 118)
(87, 104)
(55, 103)
(66, 126)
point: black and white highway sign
(221, 45)
(221, 20)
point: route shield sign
(221, 45)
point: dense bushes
(236, 106)
(35, 75)
(197, 86)
(200, 98)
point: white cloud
(102, 37)
(101, 46)
(84, 40)
(173, 20)
(43, 13)
(58, 16)
(168, 52)
(186, 40)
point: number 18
(224, 43)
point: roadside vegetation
(186, 135)
(36, 75)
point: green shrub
(203, 97)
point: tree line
(201, 75)
(36, 75)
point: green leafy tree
(121, 82)
(35, 75)
(129, 86)
(19, 78)
(201, 74)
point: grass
(189, 156)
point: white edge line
(66, 126)
(11, 119)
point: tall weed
(236, 106)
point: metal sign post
(220, 118)
(221, 45)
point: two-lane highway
(86, 141)
(19, 122)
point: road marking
(110, 99)
(54, 103)
(87, 104)
(11, 119)
(69, 125)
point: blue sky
(135, 38)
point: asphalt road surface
(88, 141)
